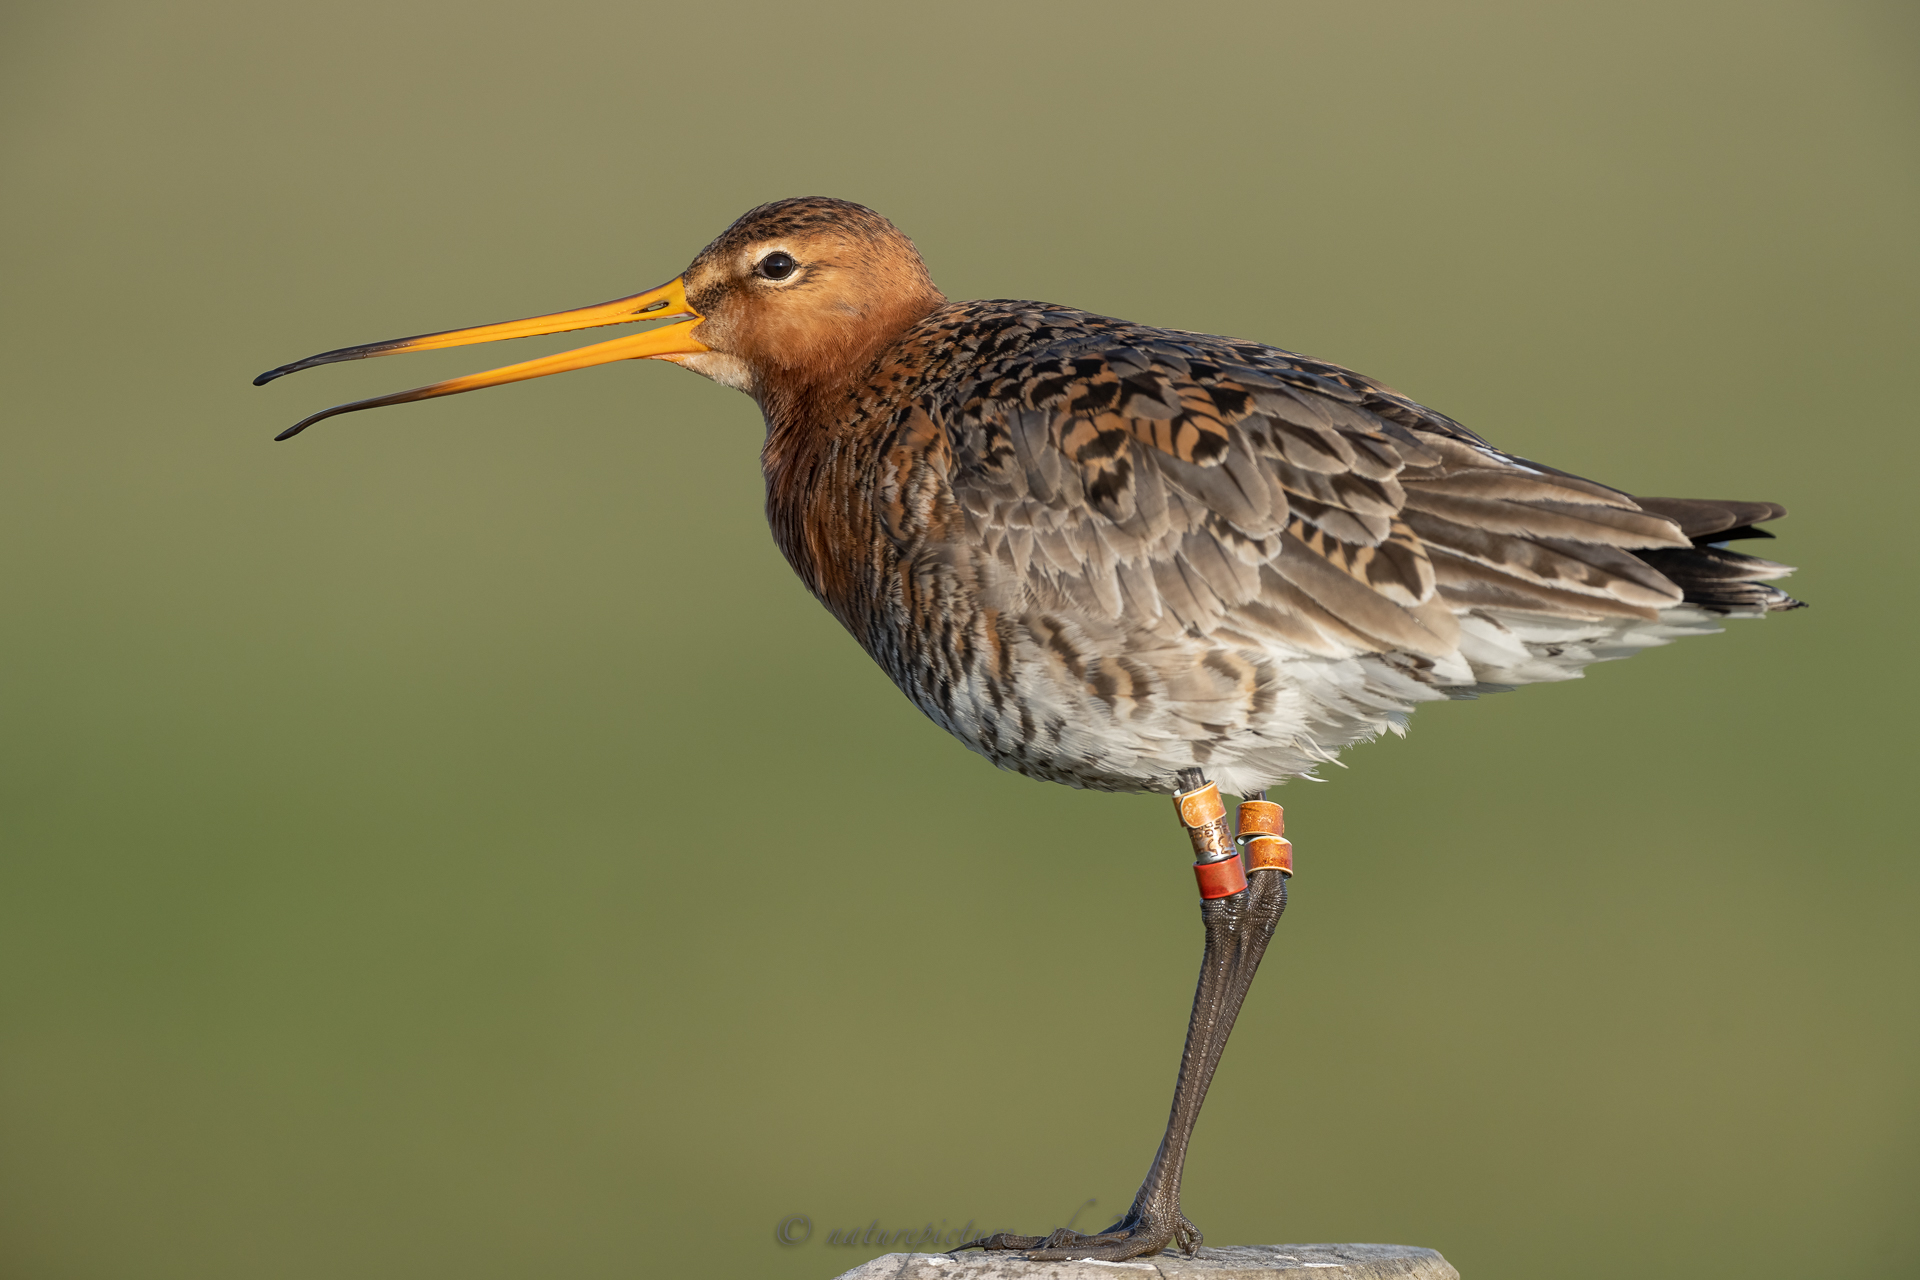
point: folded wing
(1196, 486)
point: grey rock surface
(1234, 1262)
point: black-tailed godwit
(1139, 559)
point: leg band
(1217, 863)
(1263, 826)
(1220, 879)
(1273, 853)
(1262, 818)
(1200, 806)
(1205, 818)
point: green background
(452, 844)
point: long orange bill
(668, 302)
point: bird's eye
(776, 266)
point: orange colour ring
(1220, 879)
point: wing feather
(1217, 488)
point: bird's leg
(1239, 910)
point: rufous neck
(813, 398)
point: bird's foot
(1134, 1236)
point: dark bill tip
(295, 367)
(329, 357)
(310, 419)
(332, 357)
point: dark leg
(1238, 928)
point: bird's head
(802, 290)
(795, 294)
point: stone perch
(1233, 1262)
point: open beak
(668, 302)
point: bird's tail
(1713, 577)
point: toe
(1002, 1241)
